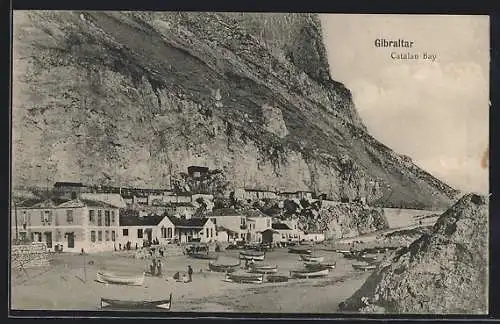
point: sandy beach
(65, 285)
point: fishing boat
(223, 267)
(252, 255)
(351, 255)
(277, 278)
(299, 250)
(132, 305)
(308, 273)
(204, 256)
(110, 278)
(319, 266)
(245, 278)
(311, 258)
(367, 258)
(264, 268)
(364, 267)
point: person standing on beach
(190, 273)
(158, 266)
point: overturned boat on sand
(319, 266)
(223, 267)
(364, 267)
(245, 278)
(111, 278)
(204, 256)
(308, 273)
(300, 250)
(311, 258)
(252, 255)
(264, 268)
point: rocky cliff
(131, 98)
(444, 271)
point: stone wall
(29, 255)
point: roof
(48, 203)
(280, 226)
(68, 184)
(108, 198)
(269, 229)
(194, 168)
(225, 229)
(192, 222)
(225, 212)
(259, 190)
(253, 213)
(133, 220)
(180, 204)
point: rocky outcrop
(445, 271)
(133, 98)
(346, 220)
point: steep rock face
(134, 98)
(445, 271)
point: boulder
(442, 272)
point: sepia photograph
(237, 162)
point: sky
(435, 112)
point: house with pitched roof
(72, 225)
(194, 229)
(138, 229)
(230, 219)
(257, 223)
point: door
(71, 240)
(48, 239)
(149, 234)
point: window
(92, 236)
(91, 216)
(113, 236)
(125, 232)
(268, 223)
(99, 217)
(139, 233)
(69, 216)
(107, 218)
(48, 216)
(211, 232)
(214, 220)
(242, 221)
(99, 236)
(207, 232)
(113, 217)
(169, 232)
(163, 232)
(42, 216)
(106, 235)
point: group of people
(188, 278)
(155, 267)
(127, 246)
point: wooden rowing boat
(319, 266)
(277, 278)
(252, 255)
(364, 267)
(264, 268)
(245, 278)
(311, 258)
(299, 250)
(204, 256)
(369, 259)
(223, 267)
(308, 273)
(130, 305)
(107, 277)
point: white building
(71, 224)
